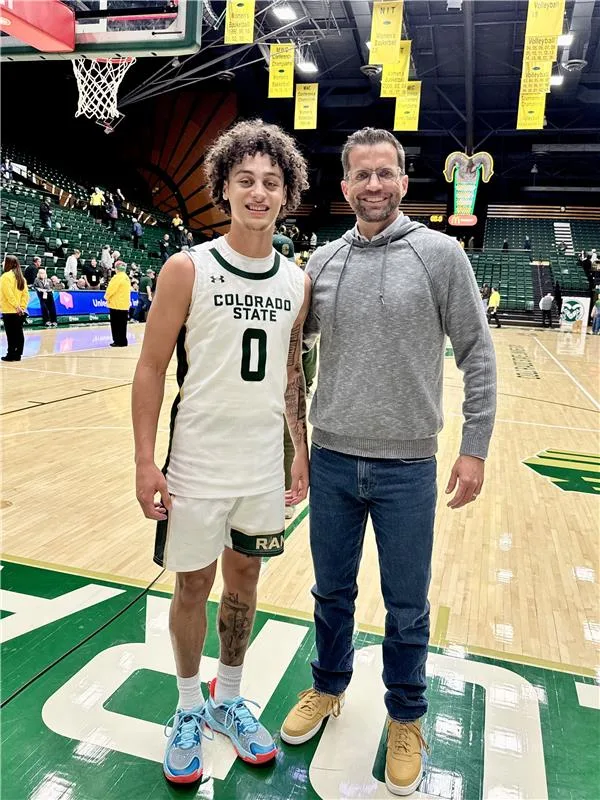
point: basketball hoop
(98, 81)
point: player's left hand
(468, 473)
(299, 488)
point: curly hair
(248, 139)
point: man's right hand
(150, 481)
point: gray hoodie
(383, 308)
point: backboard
(119, 28)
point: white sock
(190, 692)
(229, 680)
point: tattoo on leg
(235, 625)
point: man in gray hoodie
(385, 296)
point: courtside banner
(281, 70)
(386, 32)
(307, 98)
(239, 22)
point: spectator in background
(43, 287)
(546, 309)
(96, 204)
(527, 243)
(485, 295)
(471, 243)
(176, 222)
(45, 213)
(145, 296)
(14, 297)
(313, 240)
(112, 214)
(164, 248)
(505, 245)
(137, 232)
(558, 298)
(106, 262)
(593, 257)
(57, 284)
(93, 274)
(31, 272)
(189, 239)
(596, 318)
(118, 298)
(119, 199)
(494, 305)
(72, 265)
(6, 170)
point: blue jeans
(596, 323)
(400, 496)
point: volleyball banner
(239, 22)
(281, 70)
(305, 113)
(531, 111)
(540, 48)
(545, 18)
(394, 77)
(386, 32)
(535, 78)
(406, 117)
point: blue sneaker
(183, 755)
(252, 741)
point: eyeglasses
(384, 175)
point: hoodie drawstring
(337, 287)
(383, 271)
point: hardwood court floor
(515, 575)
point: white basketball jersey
(227, 422)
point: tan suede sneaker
(405, 755)
(306, 717)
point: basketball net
(98, 81)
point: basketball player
(235, 309)
(384, 297)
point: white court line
(62, 430)
(57, 372)
(570, 375)
(537, 424)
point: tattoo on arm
(235, 626)
(295, 394)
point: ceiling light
(565, 40)
(308, 67)
(556, 80)
(534, 170)
(285, 13)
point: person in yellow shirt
(13, 304)
(494, 305)
(96, 203)
(118, 297)
(176, 222)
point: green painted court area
(89, 727)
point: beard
(365, 212)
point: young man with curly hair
(234, 308)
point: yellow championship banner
(531, 111)
(540, 48)
(535, 78)
(545, 18)
(281, 70)
(394, 77)
(406, 117)
(239, 22)
(386, 32)
(305, 112)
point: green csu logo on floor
(571, 472)
(89, 681)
